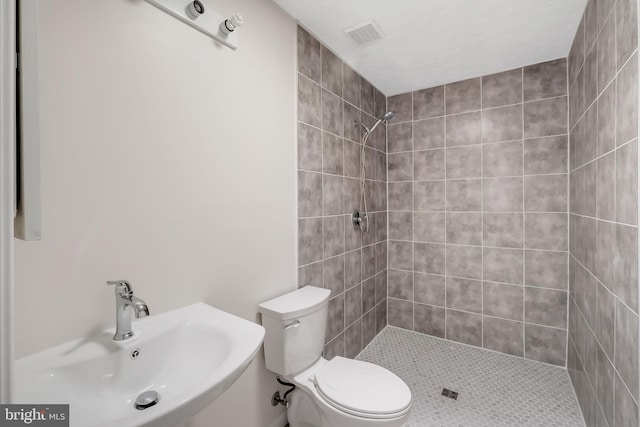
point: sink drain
(146, 400)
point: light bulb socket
(195, 9)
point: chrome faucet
(126, 303)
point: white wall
(166, 161)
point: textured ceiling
(431, 42)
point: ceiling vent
(365, 32)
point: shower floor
(494, 389)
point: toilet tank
(295, 325)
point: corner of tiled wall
(331, 253)
(478, 211)
(603, 284)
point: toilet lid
(362, 388)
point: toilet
(329, 393)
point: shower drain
(450, 394)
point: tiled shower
(504, 209)
(478, 212)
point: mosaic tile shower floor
(494, 389)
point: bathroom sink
(189, 356)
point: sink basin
(189, 356)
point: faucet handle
(122, 286)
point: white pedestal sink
(189, 356)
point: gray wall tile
(607, 120)
(400, 313)
(334, 348)
(605, 187)
(429, 258)
(429, 196)
(503, 265)
(332, 154)
(503, 230)
(626, 265)
(502, 300)
(505, 336)
(403, 106)
(627, 183)
(545, 193)
(502, 159)
(462, 162)
(545, 80)
(352, 268)
(605, 319)
(464, 261)
(545, 118)
(626, 350)
(606, 47)
(464, 294)
(464, 195)
(332, 202)
(464, 327)
(400, 225)
(351, 117)
(547, 307)
(353, 339)
(502, 88)
(308, 55)
(332, 113)
(464, 228)
(400, 196)
(429, 164)
(627, 102)
(400, 284)
(309, 194)
(429, 320)
(463, 96)
(626, 410)
(428, 134)
(333, 274)
(502, 124)
(429, 227)
(401, 255)
(626, 29)
(309, 148)
(400, 137)
(310, 275)
(350, 85)
(502, 194)
(352, 305)
(333, 235)
(400, 166)
(309, 102)
(605, 380)
(367, 97)
(429, 289)
(335, 319)
(463, 129)
(331, 71)
(428, 103)
(309, 240)
(545, 344)
(546, 269)
(545, 231)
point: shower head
(385, 118)
(388, 116)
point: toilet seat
(362, 389)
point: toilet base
(306, 411)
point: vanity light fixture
(200, 15)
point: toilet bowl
(329, 393)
